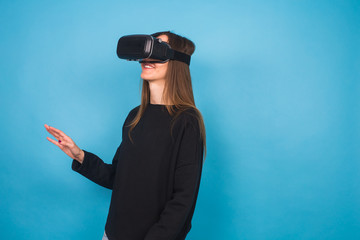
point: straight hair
(178, 87)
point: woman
(155, 173)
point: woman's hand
(65, 143)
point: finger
(47, 127)
(57, 131)
(54, 142)
(56, 135)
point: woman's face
(155, 71)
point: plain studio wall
(277, 83)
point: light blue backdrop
(277, 83)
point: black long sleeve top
(155, 180)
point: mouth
(148, 66)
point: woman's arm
(85, 163)
(96, 170)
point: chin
(143, 76)
(147, 77)
(150, 77)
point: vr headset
(141, 47)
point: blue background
(276, 81)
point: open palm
(65, 143)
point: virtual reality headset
(142, 47)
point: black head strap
(182, 57)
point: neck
(156, 92)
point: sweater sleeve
(96, 170)
(179, 209)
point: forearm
(93, 168)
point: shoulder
(134, 110)
(188, 118)
(190, 115)
(190, 127)
(132, 113)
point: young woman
(155, 173)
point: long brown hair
(178, 87)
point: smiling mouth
(148, 66)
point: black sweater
(154, 181)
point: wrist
(80, 157)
